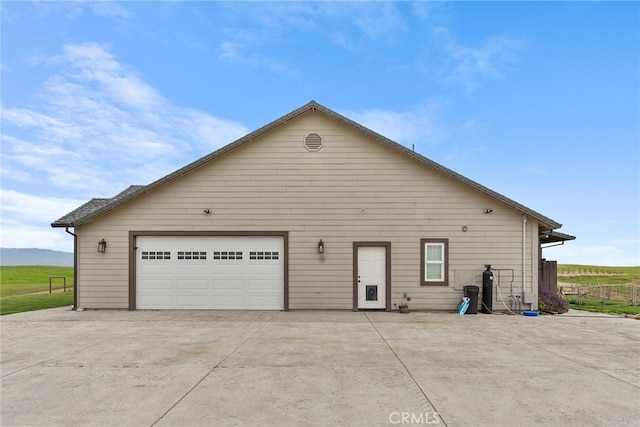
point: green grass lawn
(20, 303)
(603, 306)
(18, 284)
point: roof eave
(61, 225)
(108, 205)
(555, 237)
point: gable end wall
(352, 189)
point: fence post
(64, 282)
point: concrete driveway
(306, 368)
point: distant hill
(13, 256)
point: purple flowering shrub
(551, 301)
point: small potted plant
(403, 307)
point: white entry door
(372, 277)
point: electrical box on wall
(529, 297)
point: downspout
(524, 255)
(75, 268)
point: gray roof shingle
(93, 205)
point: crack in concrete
(415, 382)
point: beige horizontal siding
(353, 189)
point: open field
(597, 269)
(25, 288)
(601, 289)
(27, 279)
(597, 275)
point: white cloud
(617, 252)
(365, 28)
(351, 25)
(34, 208)
(25, 118)
(423, 128)
(98, 127)
(384, 21)
(91, 65)
(229, 50)
(25, 220)
(33, 236)
(76, 8)
(467, 65)
(101, 127)
(108, 8)
(409, 127)
(240, 54)
(15, 174)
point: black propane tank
(487, 290)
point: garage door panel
(261, 303)
(190, 269)
(231, 301)
(230, 272)
(228, 284)
(260, 270)
(157, 301)
(155, 283)
(192, 302)
(221, 270)
(262, 298)
(155, 268)
(263, 284)
(187, 284)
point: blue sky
(538, 101)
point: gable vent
(313, 142)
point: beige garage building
(312, 211)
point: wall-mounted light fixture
(207, 211)
(488, 210)
(320, 247)
(102, 246)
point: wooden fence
(628, 292)
(549, 275)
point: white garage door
(236, 272)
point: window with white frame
(434, 254)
